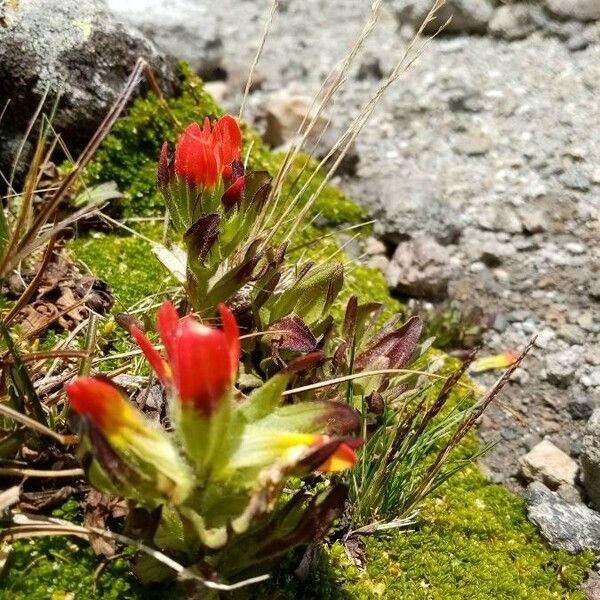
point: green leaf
(265, 399)
(311, 296)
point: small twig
(351, 377)
(32, 526)
(16, 472)
(65, 440)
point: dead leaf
(63, 297)
(99, 508)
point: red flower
(202, 155)
(201, 361)
(100, 401)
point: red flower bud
(202, 155)
(201, 361)
(100, 401)
(233, 194)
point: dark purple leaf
(398, 346)
(297, 337)
(201, 236)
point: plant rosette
(223, 466)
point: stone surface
(548, 464)
(561, 366)
(572, 527)
(183, 29)
(590, 458)
(467, 15)
(591, 587)
(582, 10)
(581, 408)
(420, 268)
(73, 47)
(512, 21)
(284, 113)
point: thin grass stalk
(466, 426)
(338, 75)
(347, 139)
(21, 379)
(257, 56)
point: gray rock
(421, 269)
(571, 333)
(580, 41)
(465, 99)
(470, 16)
(590, 458)
(581, 408)
(581, 10)
(73, 47)
(576, 180)
(569, 493)
(183, 29)
(591, 586)
(421, 207)
(594, 289)
(549, 464)
(534, 220)
(374, 246)
(473, 144)
(284, 113)
(494, 254)
(561, 366)
(381, 262)
(572, 527)
(544, 337)
(500, 219)
(512, 22)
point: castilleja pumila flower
(101, 402)
(201, 361)
(203, 154)
(200, 368)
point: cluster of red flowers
(201, 362)
(204, 153)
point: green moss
(126, 262)
(473, 539)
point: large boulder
(71, 48)
(187, 30)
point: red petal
(233, 194)
(232, 337)
(98, 400)
(201, 369)
(343, 458)
(167, 321)
(227, 132)
(154, 358)
(194, 156)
